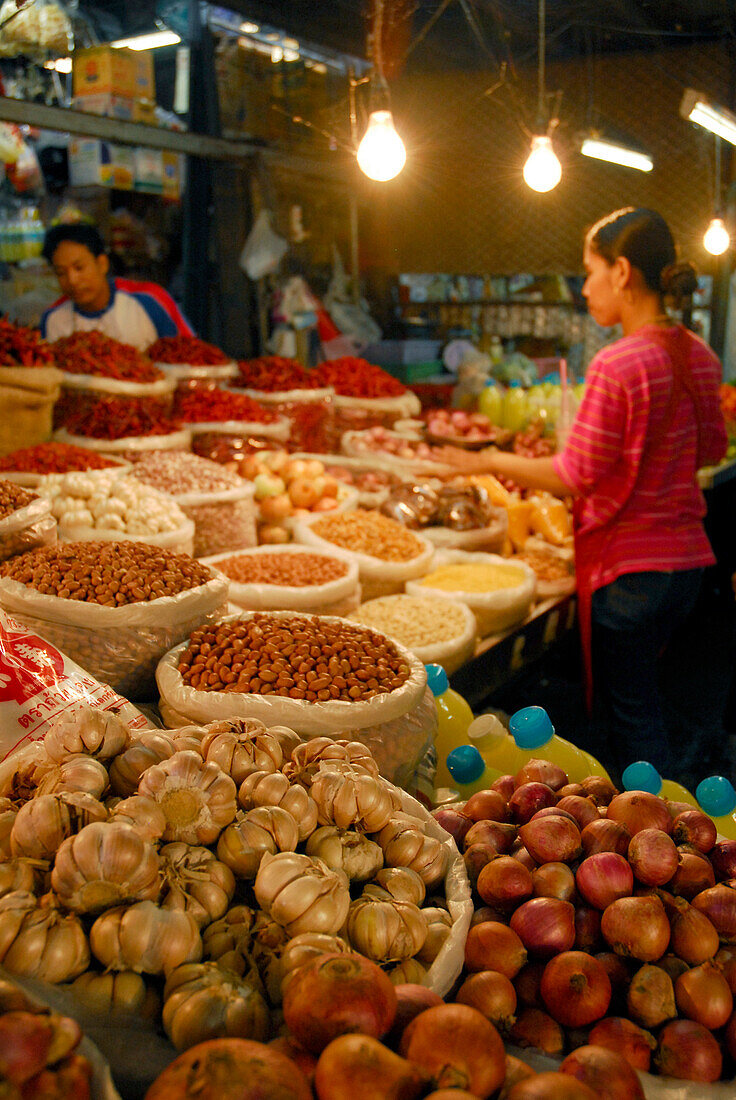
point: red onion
(637, 927)
(541, 771)
(583, 809)
(639, 810)
(626, 1038)
(604, 877)
(523, 855)
(504, 882)
(487, 805)
(454, 822)
(504, 785)
(587, 928)
(693, 875)
(619, 973)
(494, 946)
(605, 836)
(528, 798)
(687, 1050)
(571, 788)
(553, 811)
(726, 960)
(696, 828)
(575, 988)
(486, 912)
(605, 1071)
(536, 1028)
(475, 858)
(495, 834)
(650, 998)
(723, 859)
(526, 983)
(545, 925)
(553, 880)
(551, 839)
(492, 994)
(653, 857)
(600, 789)
(693, 938)
(673, 966)
(703, 994)
(719, 905)
(674, 809)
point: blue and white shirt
(137, 313)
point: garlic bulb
(145, 938)
(43, 823)
(147, 748)
(350, 799)
(287, 739)
(21, 773)
(274, 789)
(186, 742)
(142, 814)
(407, 845)
(195, 881)
(386, 931)
(124, 992)
(439, 926)
(7, 819)
(307, 758)
(105, 864)
(19, 875)
(198, 799)
(239, 755)
(202, 1001)
(266, 829)
(302, 949)
(38, 941)
(267, 945)
(98, 733)
(408, 972)
(228, 940)
(399, 883)
(302, 894)
(76, 773)
(343, 850)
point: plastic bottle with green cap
(469, 771)
(717, 798)
(643, 776)
(454, 717)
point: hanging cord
(541, 111)
(718, 211)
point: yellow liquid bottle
(490, 402)
(496, 745)
(454, 717)
(717, 798)
(643, 776)
(469, 771)
(594, 766)
(515, 407)
(535, 735)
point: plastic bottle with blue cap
(717, 798)
(469, 771)
(643, 776)
(454, 717)
(534, 733)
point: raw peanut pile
(13, 497)
(186, 349)
(54, 458)
(295, 570)
(368, 532)
(413, 620)
(178, 472)
(304, 657)
(97, 354)
(106, 573)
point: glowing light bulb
(381, 153)
(542, 170)
(716, 239)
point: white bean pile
(110, 502)
(414, 621)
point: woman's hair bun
(679, 280)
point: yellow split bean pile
(369, 532)
(414, 621)
(474, 577)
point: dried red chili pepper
(53, 458)
(351, 377)
(117, 418)
(23, 347)
(97, 354)
(276, 374)
(186, 349)
(204, 403)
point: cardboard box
(144, 79)
(117, 106)
(101, 70)
(100, 162)
(173, 175)
(149, 170)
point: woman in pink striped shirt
(649, 419)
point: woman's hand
(466, 462)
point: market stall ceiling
(472, 34)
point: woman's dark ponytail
(678, 283)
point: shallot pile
(602, 918)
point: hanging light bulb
(716, 239)
(381, 153)
(542, 170)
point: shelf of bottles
(21, 234)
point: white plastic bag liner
(276, 429)
(27, 528)
(494, 611)
(403, 406)
(490, 538)
(223, 521)
(162, 387)
(377, 577)
(32, 481)
(180, 540)
(214, 371)
(409, 469)
(450, 653)
(397, 727)
(120, 646)
(446, 968)
(315, 599)
(130, 444)
(263, 249)
(280, 397)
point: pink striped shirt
(643, 486)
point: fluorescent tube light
(61, 65)
(147, 41)
(718, 120)
(616, 154)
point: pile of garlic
(109, 501)
(197, 869)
